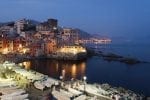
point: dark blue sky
(106, 17)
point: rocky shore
(68, 56)
(114, 57)
(59, 56)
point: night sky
(128, 18)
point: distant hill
(7, 23)
(31, 26)
(100, 36)
(30, 21)
(83, 34)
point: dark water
(133, 77)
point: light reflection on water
(53, 68)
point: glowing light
(61, 77)
(63, 73)
(84, 78)
(83, 50)
(57, 66)
(74, 70)
(20, 46)
(72, 49)
(9, 68)
(27, 65)
(20, 64)
(54, 28)
(82, 68)
(5, 51)
(25, 50)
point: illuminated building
(69, 36)
(74, 52)
(3, 42)
(72, 49)
(18, 43)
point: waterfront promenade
(39, 86)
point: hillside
(83, 34)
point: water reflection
(73, 71)
(53, 68)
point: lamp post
(61, 79)
(72, 80)
(84, 79)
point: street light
(84, 79)
(9, 68)
(61, 79)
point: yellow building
(74, 52)
(72, 49)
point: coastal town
(24, 39)
(43, 39)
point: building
(42, 27)
(49, 25)
(11, 42)
(3, 41)
(37, 35)
(37, 48)
(74, 52)
(6, 29)
(52, 23)
(20, 25)
(19, 43)
(46, 40)
(50, 46)
(69, 36)
(47, 33)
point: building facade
(69, 36)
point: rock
(114, 57)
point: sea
(133, 77)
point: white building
(20, 24)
